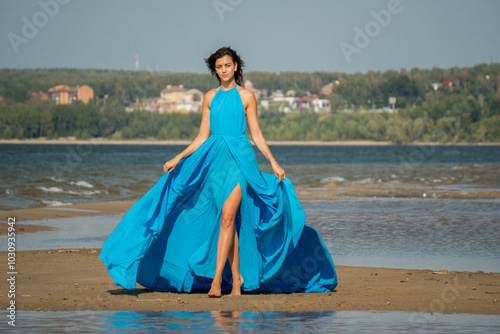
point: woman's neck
(228, 85)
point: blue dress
(167, 241)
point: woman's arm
(250, 105)
(203, 134)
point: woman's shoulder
(210, 95)
(211, 92)
(246, 94)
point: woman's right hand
(170, 165)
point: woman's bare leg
(234, 260)
(226, 238)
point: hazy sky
(280, 35)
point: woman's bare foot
(236, 291)
(215, 289)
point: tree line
(465, 108)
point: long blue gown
(167, 241)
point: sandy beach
(76, 279)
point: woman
(213, 204)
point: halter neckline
(228, 89)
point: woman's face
(225, 68)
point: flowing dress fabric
(167, 241)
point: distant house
(289, 103)
(310, 102)
(173, 93)
(326, 89)
(84, 93)
(277, 94)
(62, 94)
(192, 106)
(249, 85)
(446, 82)
(41, 96)
(193, 95)
(179, 99)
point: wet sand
(76, 279)
(64, 211)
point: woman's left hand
(279, 172)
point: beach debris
(74, 250)
(473, 288)
(60, 251)
(424, 195)
(388, 303)
(441, 272)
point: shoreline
(103, 141)
(76, 280)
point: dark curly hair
(226, 51)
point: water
(252, 322)
(419, 233)
(45, 175)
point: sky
(270, 35)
